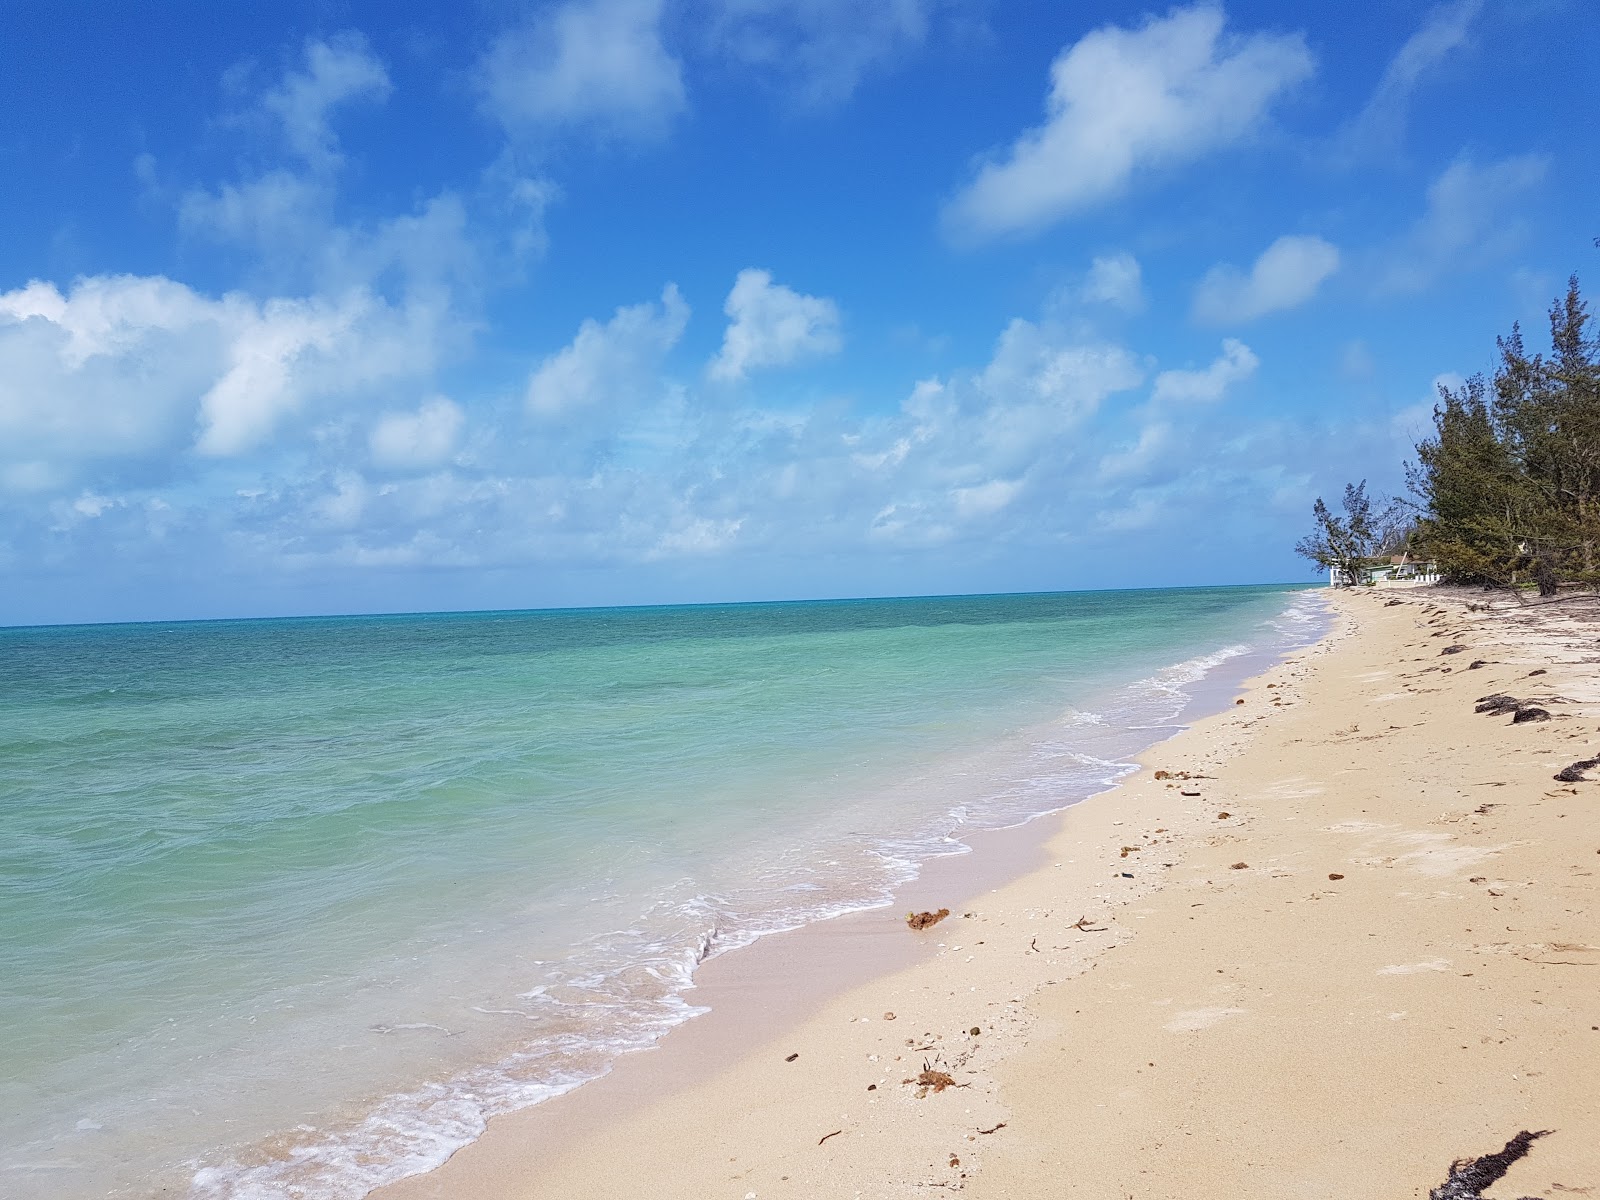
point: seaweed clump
(923, 920)
(1469, 1176)
(1497, 704)
(1575, 772)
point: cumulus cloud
(129, 368)
(1236, 364)
(111, 370)
(963, 452)
(335, 72)
(610, 365)
(600, 64)
(771, 325)
(1470, 219)
(1041, 382)
(1115, 280)
(1126, 100)
(1380, 126)
(1040, 449)
(1286, 275)
(821, 48)
(424, 438)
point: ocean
(289, 908)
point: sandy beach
(1321, 944)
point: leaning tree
(1344, 544)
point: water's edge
(776, 979)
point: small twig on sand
(996, 1129)
(826, 1136)
(1033, 945)
(1082, 925)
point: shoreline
(785, 979)
(1305, 1034)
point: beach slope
(1322, 944)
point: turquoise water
(288, 908)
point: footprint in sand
(1199, 1018)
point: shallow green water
(375, 878)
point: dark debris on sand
(1497, 704)
(1469, 1176)
(1575, 772)
(924, 920)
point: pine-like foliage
(1509, 483)
(1345, 544)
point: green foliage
(1344, 544)
(1509, 483)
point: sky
(327, 306)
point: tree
(1345, 544)
(1476, 504)
(1550, 408)
(1509, 483)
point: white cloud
(131, 368)
(1029, 453)
(1380, 126)
(527, 199)
(696, 538)
(336, 71)
(288, 215)
(613, 364)
(1115, 279)
(284, 353)
(1236, 364)
(1286, 275)
(1124, 100)
(424, 438)
(344, 507)
(822, 48)
(279, 209)
(91, 504)
(771, 326)
(1033, 366)
(986, 499)
(1154, 442)
(287, 220)
(592, 63)
(1470, 219)
(111, 370)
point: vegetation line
(1506, 491)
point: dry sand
(1363, 944)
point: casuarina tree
(1344, 544)
(1509, 483)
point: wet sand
(1169, 1001)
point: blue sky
(344, 307)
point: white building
(1400, 571)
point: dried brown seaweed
(1470, 1176)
